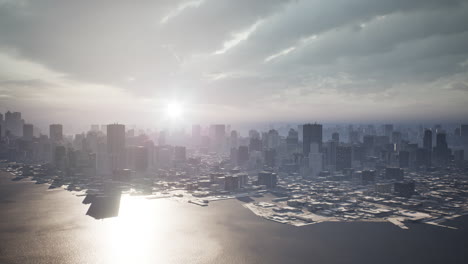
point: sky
(225, 61)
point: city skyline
(234, 131)
(265, 61)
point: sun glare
(174, 110)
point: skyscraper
(272, 139)
(441, 150)
(217, 135)
(315, 160)
(441, 141)
(312, 133)
(343, 157)
(330, 155)
(464, 133)
(55, 132)
(116, 146)
(270, 157)
(242, 155)
(14, 123)
(369, 144)
(234, 140)
(336, 137)
(427, 140)
(292, 141)
(28, 131)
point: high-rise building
(255, 144)
(270, 157)
(368, 176)
(330, 155)
(60, 158)
(13, 123)
(404, 159)
(272, 139)
(242, 155)
(231, 183)
(343, 157)
(141, 159)
(217, 136)
(405, 189)
(116, 146)
(268, 179)
(353, 137)
(292, 141)
(2, 126)
(336, 136)
(464, 137)
(396, 137)
(55, 132)
(234, 140)
(312, 133)
(458, 155)
(441, 150)
(315, 160)
(427, 140)
(180, 154)
(136, 158)
(394, 173)
(28, 132)
(369, 144)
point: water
(38, 225)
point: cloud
(265, 60)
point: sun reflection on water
(137, 230)
(154, 231)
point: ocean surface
(38, 225)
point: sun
(174, 110)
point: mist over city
(246, 131)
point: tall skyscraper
(369, 144)
(218, 135)
(292, 141)
(234, 139)
(116, 146)
(312, 133)
(272, 139)
(242, 155)
(427, 140)
(441, 150)
(343, 157)
(330, 155)
(441, 141)
(14, 123)
(464, 133)
(28, 132)
(55, 132)
(315, 159)
(180, 154)
(270, 157)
